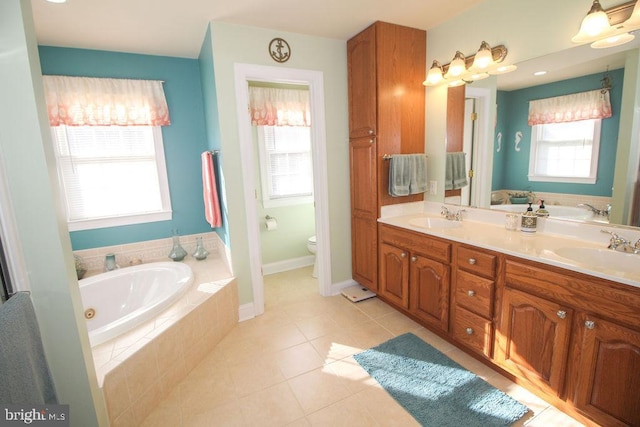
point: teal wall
(184, 140)
(212, 124)
(511, 167)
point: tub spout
(110, 262)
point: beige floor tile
(356, 378)
(374, 307)
(163, 417)
(530, 400)
(318, 389)
(349, 412)
(336, 346)
(369, 334)
(228, 415)
(553, 417)
(384, 409)
(255, 376)
(274, 406)
(397, 323)
(318, 326)
(297, 360)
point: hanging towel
(455, 171)
(407, 174)
(24, 374)
(210, 192)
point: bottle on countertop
(542, 210)
(529, 221)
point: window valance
(87, 101)
(279, 107)
(593, 104)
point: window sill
(92, 224)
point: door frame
(483, 147)
(315, 80)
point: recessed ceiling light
(539, 73)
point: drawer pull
(589, 324)
(414, 259)
(403, 255)
(471, 293)
(561, 314)
(372, 140)
(370, 131)
(469, 331)
(472, 261)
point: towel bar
(388, 156)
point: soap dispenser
(529, 221)
(542, 210)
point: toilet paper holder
(271, 223)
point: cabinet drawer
(422, 244)
(475, 293)
(477, 262)
(473, 331)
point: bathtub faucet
(596, 211)
(110, 262)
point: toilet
(311, 246)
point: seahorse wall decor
(499, 136)
(518, 139)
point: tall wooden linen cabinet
(386, 66)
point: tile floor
(293, 366)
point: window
(565, 152)
(285, 165)
(112, 175)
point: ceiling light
(457, 66)
(434, 76)
(483, 58)
(539, 73)
(595, 24)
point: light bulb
(484, 57)
(457, 66)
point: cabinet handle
(589, 324)
(370, 131)
(403, 255)
(469, 331)
(472, 261)
(471, 293)
(414, 259)
(561, 314)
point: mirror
(575, 70)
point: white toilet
(311, 246)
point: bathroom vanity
(566, 330)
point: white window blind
(565, 152)
(286, 168)
(112, 175)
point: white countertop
(486, 230)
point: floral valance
(279, 107)
(594, 104)
(86, 101)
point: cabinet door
(394, 275)
(364, 251)
(429, 284)
(609, 373)
(533, 338)
(362, 156)
(361, 63)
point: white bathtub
(555, 211)
(124, 298)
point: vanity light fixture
(461, 70)
(600, 29)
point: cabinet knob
(472, 261)
(589, 324)
(469, 331)
(403, 255)
(372, 140)
(414, 259)
(561, 314)
(471, 292)
(370, 131)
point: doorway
(478, 144)
(245, 73)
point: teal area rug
(434, 389)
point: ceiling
(177, 28)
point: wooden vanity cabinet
(381, 59)
(473, 295)
(415, 274)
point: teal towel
(455, 171)
(407, 174)
(24, 373)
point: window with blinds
(112, 175)
(285, 165)
(565, 152)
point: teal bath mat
(434, 389)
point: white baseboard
(246, 312)
(288, 264)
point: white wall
(248, 45)
(26, 150)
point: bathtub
(117, 301)
(555, 211)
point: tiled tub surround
(139, 368)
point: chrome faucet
(452, 216)
(596, 211)
(621, 244)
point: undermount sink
(434, 223)
(602, 258)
